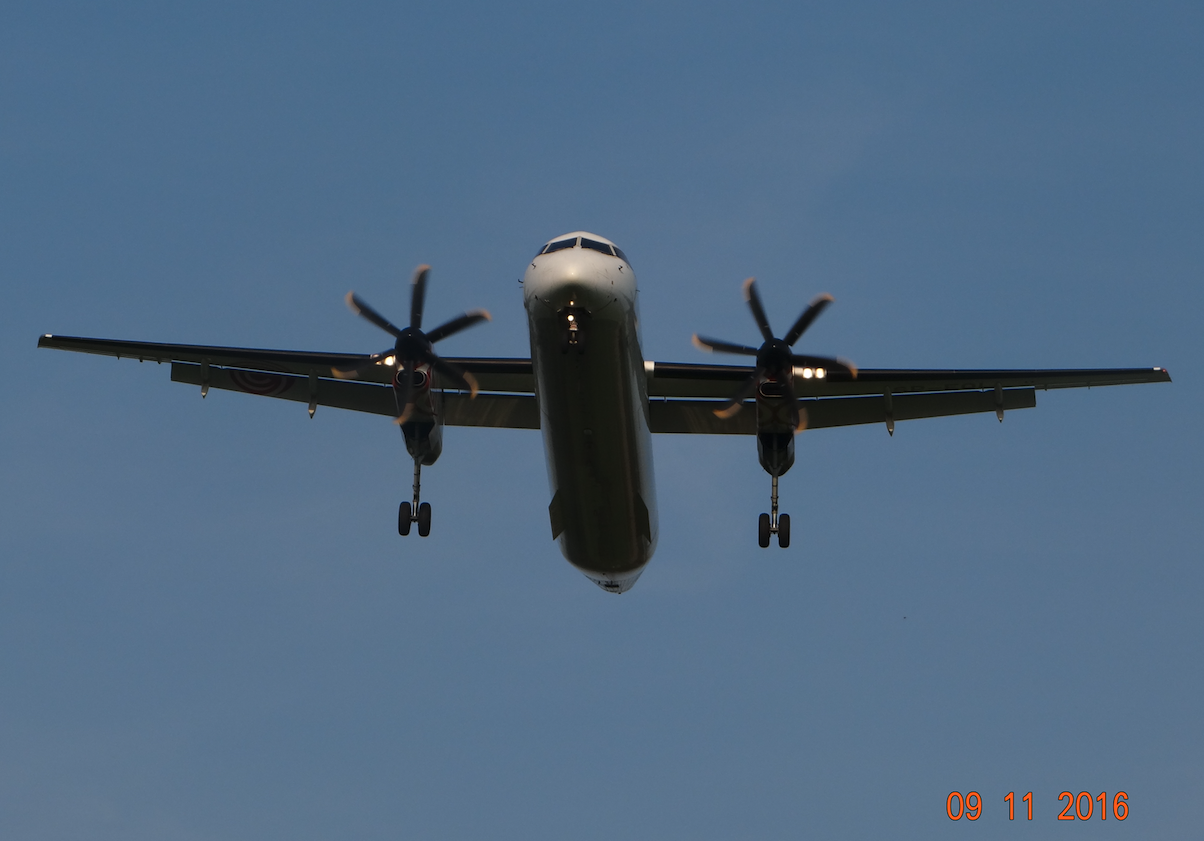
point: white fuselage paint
(593, 400)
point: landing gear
(773, 523)
(409, 513)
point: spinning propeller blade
(350, 372)
(455, 373)
(758, 311)
(418, 295)
(736, 402)
(809, 314)
(403, 390)
(457, 324)
(361, 308)
(716, 345)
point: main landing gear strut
(773, 523)
(414, 512)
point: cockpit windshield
(559, 245)
(585, 242)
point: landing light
(571, 318)
(807, 373)
(389, 360)
(821, 373)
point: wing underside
(682, 397)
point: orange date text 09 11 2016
(969, 805)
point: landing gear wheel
(784, 530)
(404, 519)
(424, 519)
(763, 531)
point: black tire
(424, 519)
(404, 519)
(763, 531)
(784, 530)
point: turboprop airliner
(597, 401)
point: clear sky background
(210, 628)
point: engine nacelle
(423, 430)
(777, 421)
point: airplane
(588, 388)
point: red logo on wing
(253, 382)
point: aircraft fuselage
(582, 311)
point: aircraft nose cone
(410, 344)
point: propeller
(412, 346)
(775, 359)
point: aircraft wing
(507, 395)
(683, 397)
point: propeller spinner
(413, 346)
(775, 358)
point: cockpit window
(605, 248)
(559, 245)
(585, 242)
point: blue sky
(211, 629)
